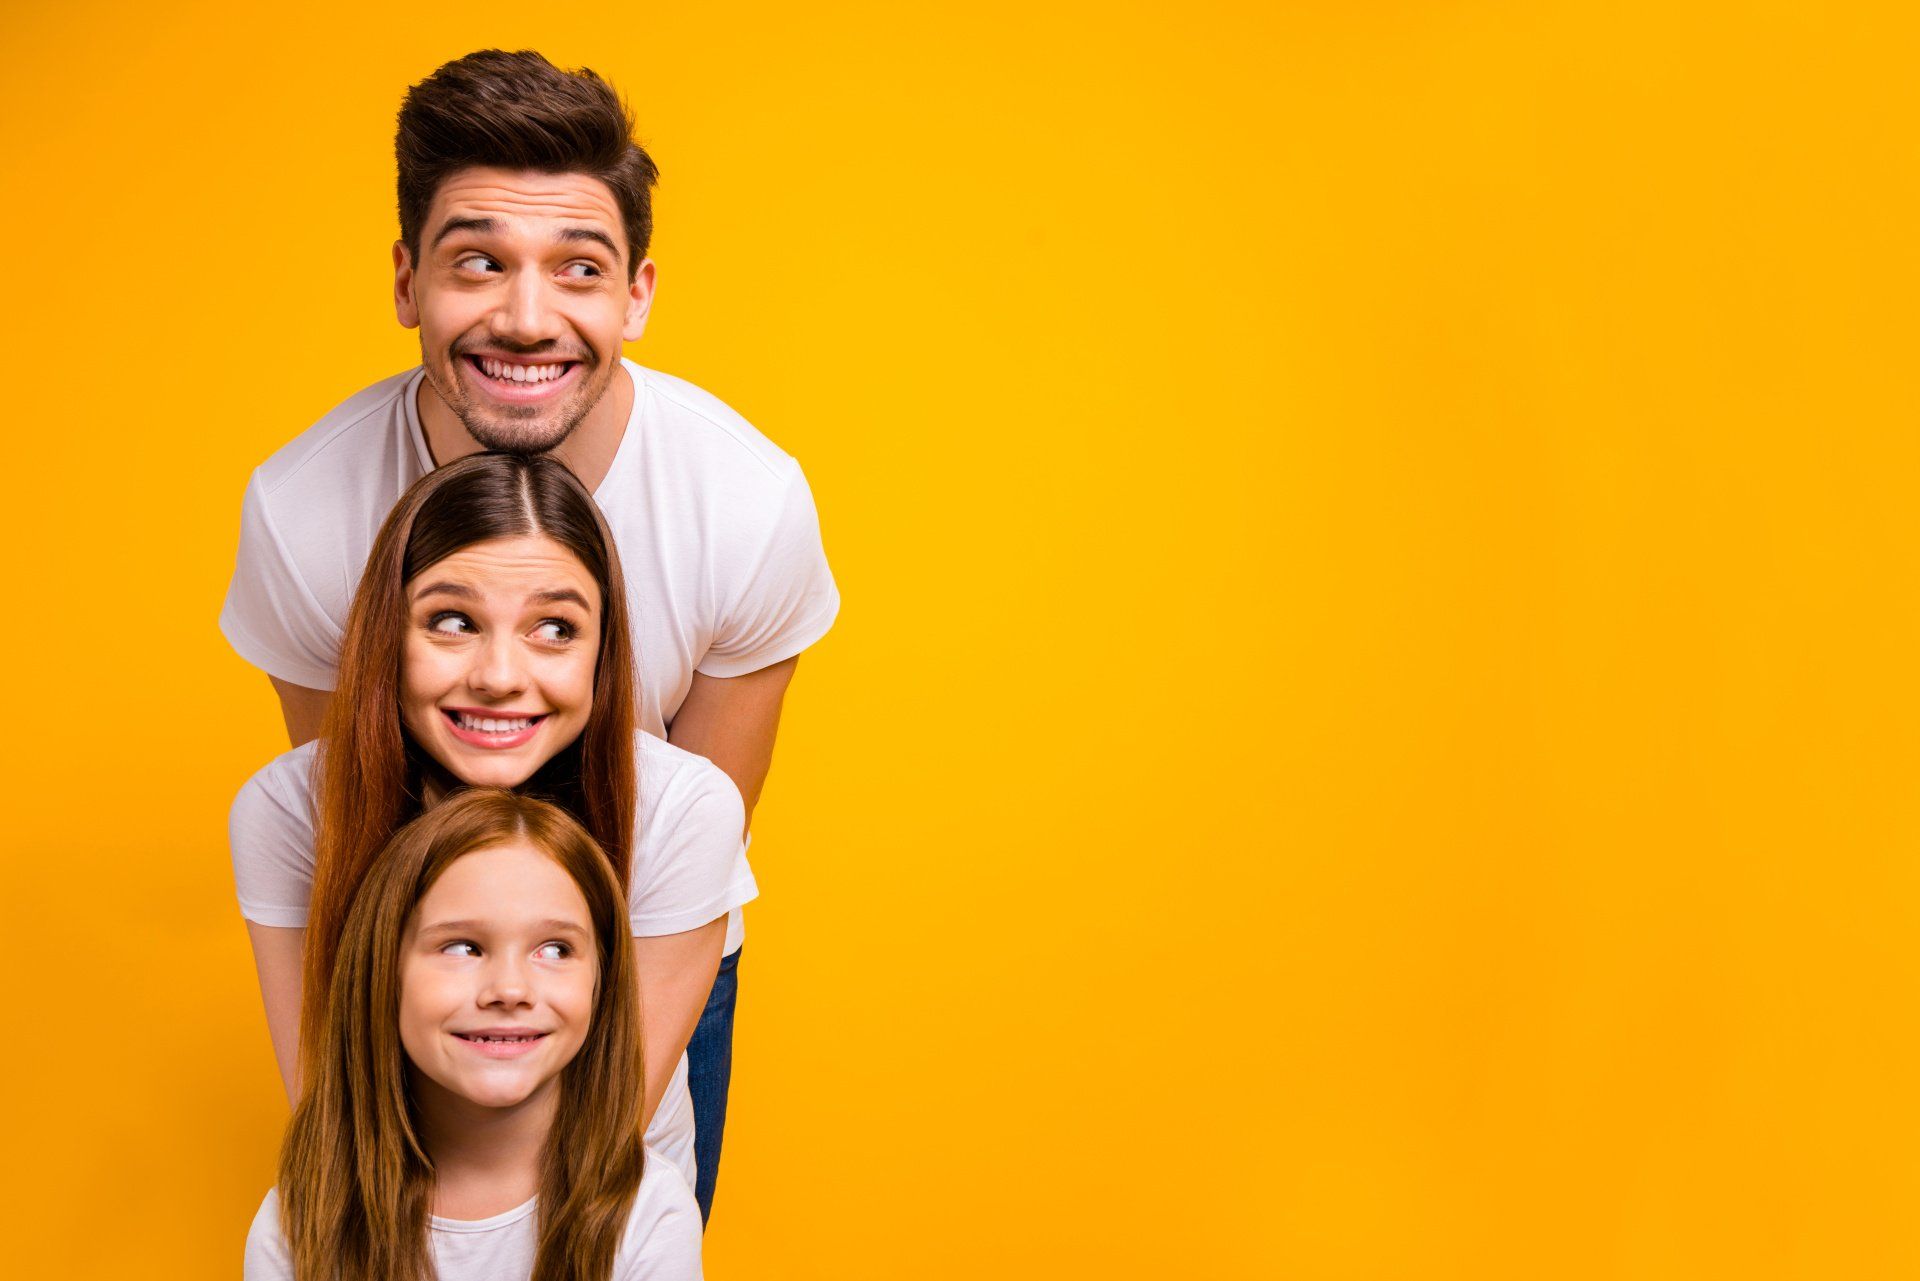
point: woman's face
(497, 672)
(497, 976)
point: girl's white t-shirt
(662, 1241)
(689, 867)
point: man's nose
(525, 316)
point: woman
(472, 1108)
(488, 645)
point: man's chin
(518, 436)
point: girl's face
(497, 672)
(497, 978)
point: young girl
(488, 646)
(473, 1109)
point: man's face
(522, 299)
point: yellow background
(1372, 732)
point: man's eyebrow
(593, 234)
(560, 594)
(481, 225)
(448, 589)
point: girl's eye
(553, 629)
(553, 952)
(455, 949)
(451, 624)
(580, 270)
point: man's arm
(305, 711)
(732, 721)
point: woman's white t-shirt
(662, 1241)
(689, 867)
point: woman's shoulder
(283, 783)
(662, 1241)
(654, 752)
(674, 776)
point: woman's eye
(460, 948)
(450, 624)
(553, 952)
(554, 629)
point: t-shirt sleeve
(662, 1241)
(786, 599)
(268, 1258)
(270, 829)
(693, 865)
(271, 618)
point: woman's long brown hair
(368, 778)
(356, 1184)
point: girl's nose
(506, 982)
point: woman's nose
(498, 669)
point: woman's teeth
(521, 373)
(492, 725)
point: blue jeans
(709, 1070)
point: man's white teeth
(521, 373)
(493, 725)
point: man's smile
(520, 379)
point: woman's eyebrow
(448, 589)
(558, 594)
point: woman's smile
(492, 730)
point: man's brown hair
(518, 111)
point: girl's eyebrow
(553, 925)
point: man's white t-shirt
(662, 1241)
(689, 867)
(715, 526)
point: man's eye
(581, 270)
(476, 262)
(451, 624)
(554, 629)
(460, 948)
(553, 951)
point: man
(525, 216)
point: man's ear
(404, 307)
(639, 301)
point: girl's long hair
(356, 1184)
(368, 779)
